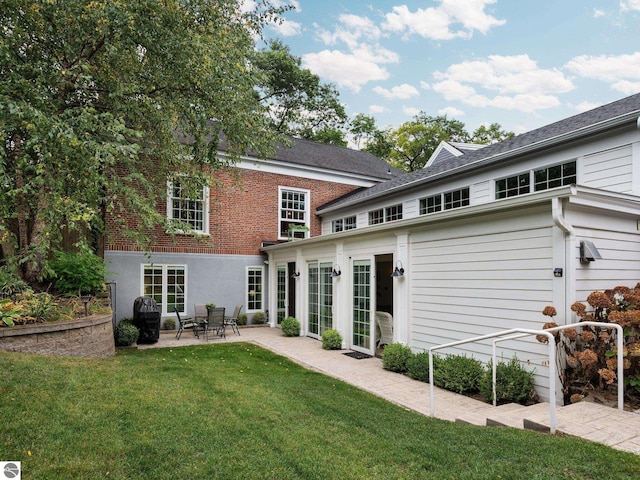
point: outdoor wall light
(557, 272)
(399, 270)
(295, 274)
(336, 271)
(588, 252)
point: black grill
(146, 318)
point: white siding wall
(481, 278)
(618, 240)
(609, 170)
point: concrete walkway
(620, 430)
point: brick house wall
(243, 213)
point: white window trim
(165, 266)
(205, 193)
(307, 208)
(246, 288)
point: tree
(329, 136)
(363, 128)
(91, 99)
(297, 102)
(491, 134)
(415, 141)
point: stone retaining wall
(88, 337)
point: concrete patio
(598, 423)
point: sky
(520, 63)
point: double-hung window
(166, 284)
(189, 210)
(293, 212)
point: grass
(236, 411)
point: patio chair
(184, 324)
(215, 322)
(232, 321)
(200, 316)
(384, 324)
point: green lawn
(236, 411)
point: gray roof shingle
(554, 133)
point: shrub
(331, 340)
(395, 357)
(290, 327)
(242, 319)
(39, 307)
(513, 383)
(458, 373)
(418, 366)
(169, 324)
(259, 318)
(11, 284)
(9, 312)
(78, 273)
(126, 333)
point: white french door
(361, 328)
(320, 300)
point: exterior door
(320, 284)
(361, 328)
(281, 293)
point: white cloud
(508, 82)
(363, 60)
(585, 106)
(622, 72)
(630, 5)
(451, 112)
(344, 69)
(287, 28)
(412, 111)
(403, 92)
(377, 109)
(598, 13)
(436, 23)
(424, 85)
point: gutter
(547, 142)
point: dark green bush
(395, 357)
(458, 373)
(418, 366)
(126, 333)
(290, 327)
(258, 318)
(331, 340)
(242, 319)
(513, 383)
(78, 273)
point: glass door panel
(362, 304)
(314, 299)
(281, 292)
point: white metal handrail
(522, 332)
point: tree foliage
(410, 146)
(299, 104)
(92, 90)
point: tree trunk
(37, 249)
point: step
(514, 417)
(591, 421)
(482, 416)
